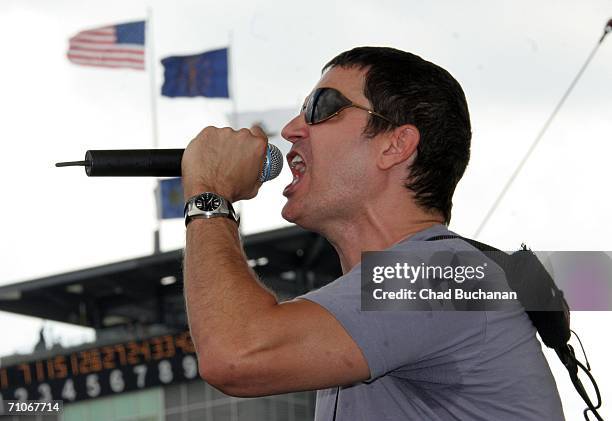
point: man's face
(337, 169)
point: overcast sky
(514, 59)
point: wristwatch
(209, 205)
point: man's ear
(398, 146)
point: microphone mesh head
(272, 165)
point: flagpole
(232, 85)
(154, 133)
(232, 94)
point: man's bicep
(306, 348)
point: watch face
(208, 202)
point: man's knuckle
(208, 130)
(192, 144)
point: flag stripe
(116, 47)
(94, 38)
(109, 46)
(114, 64)
(106, 57)
(107, 53)
(85, 40)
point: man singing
(377, 151)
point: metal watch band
(195, 209)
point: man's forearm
(224, 299)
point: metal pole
(153, 98)
(232, 95)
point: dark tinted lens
(323, 103)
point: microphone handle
(155, 163)
(134, 162)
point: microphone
(155, 163)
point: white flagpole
(153, 98)
(232, 94)
(231, 82)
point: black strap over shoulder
(536, 289)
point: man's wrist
(208, 205)
(219, 222)
(189, 192)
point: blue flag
(198, 75)
(171, 198)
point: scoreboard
(102, 371)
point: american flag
(120, 45)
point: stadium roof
(148, 290)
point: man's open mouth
(298, 168)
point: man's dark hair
(410, 90)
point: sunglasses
(325, 103)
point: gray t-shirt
(438, 365)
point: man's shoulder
(438, 241)
(437, 236)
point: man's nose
(296, 129)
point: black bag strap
(552, 325)
(536, 290)
(336, 403)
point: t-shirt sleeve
(395, 339)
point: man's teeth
(297, 163)
(298, 168)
